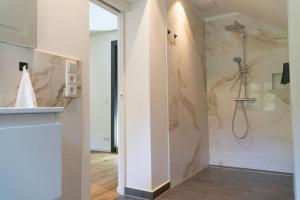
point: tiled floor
(231, 184)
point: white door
(18, 19)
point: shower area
(229, 93)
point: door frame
(114, 94)
(85, 165)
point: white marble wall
(47, 76)
(269, 143)
(187, 92)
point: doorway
(104, 101)
(114, 96)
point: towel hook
(21, 65)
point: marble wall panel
(187, 92)
(268, 145)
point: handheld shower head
(238, 60)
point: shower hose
(244, 134)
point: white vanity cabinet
(18, 22)
(30, 154)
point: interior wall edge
(294, 44)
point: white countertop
(13, 110)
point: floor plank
(231, 184)
(104, 176)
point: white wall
(158, 94)
(138, 138)
(100, 90)
(294, 33)
(146, 102)
(63, 29)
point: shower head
(235, 27)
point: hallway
(104, 175)
(215, 183)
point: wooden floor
(231, 184)
(104, 176)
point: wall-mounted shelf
(245, 99)
(14, 110)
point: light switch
(71, 78)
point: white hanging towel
(26, 97)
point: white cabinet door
(18, 22)
(30, 162)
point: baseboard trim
(252, 170)
(147, 195)
(108, 150)
(161, 190)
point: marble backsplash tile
(47, 75)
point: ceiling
(272, 12)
